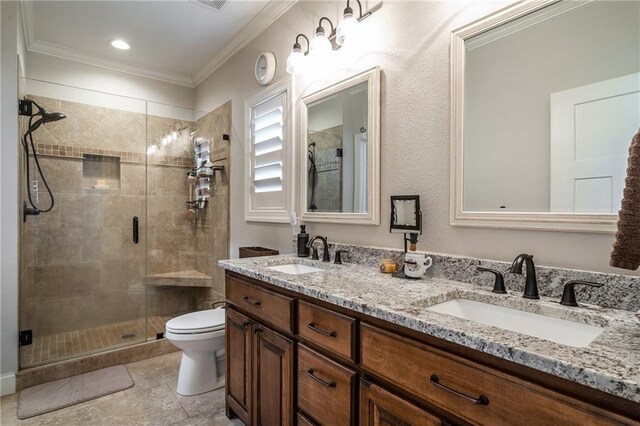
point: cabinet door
(273, 378)
(379, 407)
(238, 388)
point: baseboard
(7, 384)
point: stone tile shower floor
(71, 344)
(152, 401)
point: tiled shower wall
(81, 266)
(328, 193)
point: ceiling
(180, 42)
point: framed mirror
(545, 102)
(406, 215)
(340, 152)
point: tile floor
(61, 346)
(152, 401)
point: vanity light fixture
(119, 44)
(152, 149)
(174, 131)
(295, 61)
(349, 24)
(322, 44)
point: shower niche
(100, 172)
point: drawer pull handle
(481, 400)
(251, 302)
(313, 327)
(331, 384)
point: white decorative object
(265, 68)
(416, 264)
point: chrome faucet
(531, 282)
(325, 255)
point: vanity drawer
(329, 330)
(325, 389)
(272, 307)
(468, 390)
(303, 421)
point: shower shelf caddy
(203, 173)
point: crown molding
(273, 10)
(524, 22)
(267, 16)
(58, 51)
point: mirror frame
(544, 221)
(372, 216)
(417, 212)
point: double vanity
(311, 342)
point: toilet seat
(197, 322)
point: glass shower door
(82, 286)
(179, 244)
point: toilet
(200, 335)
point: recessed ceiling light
(120, 44)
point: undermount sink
(294, 269)
(557, 330)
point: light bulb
(152, 149)
(320, 44)
(174, 136)
(165, 140)
(119, 44)
(295, 60)
(347, 27)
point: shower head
(46, 117)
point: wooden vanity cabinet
(259, 379)
(272, 378)
(379, 407)
(326, 389)
(238, 333)
(294, 360)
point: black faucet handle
(314, 253)
(498, 285)
(325, 255)
(569, 293)
(338, 256)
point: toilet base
(198, 373)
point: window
(268, 183)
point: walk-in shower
(86, 285)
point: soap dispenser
(303, 240)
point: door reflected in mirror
(551, 103)
(337, 148)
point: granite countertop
(611, 363)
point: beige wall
(410, 41)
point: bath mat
(62, 393)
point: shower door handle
(135, 230)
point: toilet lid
(197, 322)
